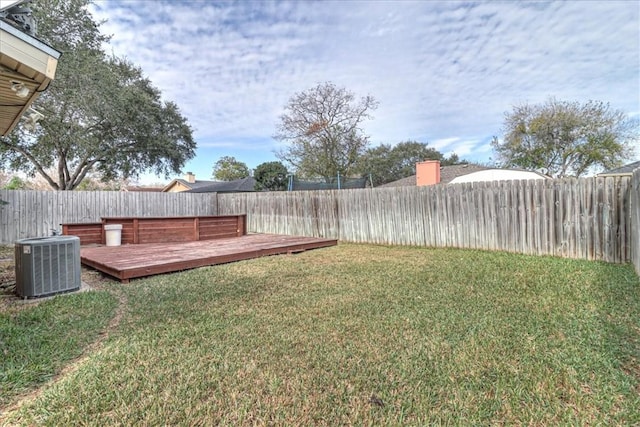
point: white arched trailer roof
(496, 175)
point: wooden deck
(131, 261)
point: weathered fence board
(634, 220)
(36, 213)
(589, 218)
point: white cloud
(442, 71)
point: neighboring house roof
(235, 186)
(189, 185)
(447, 174)
(142, 188)
(497, 175)
(409, 181)
(622, 170)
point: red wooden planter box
(137, 230)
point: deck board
(139, 260)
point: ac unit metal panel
(47, 265)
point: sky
(444, 72)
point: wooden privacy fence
(579, 218)
(590, 218)
(34, 213)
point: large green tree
(100, 113)
(386, 163)
(16, 183)
(227, 168)
(322, 133)
(566, 138)
(271, 176)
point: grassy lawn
(360, 334)
(36, 341)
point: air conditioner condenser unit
(47, 265)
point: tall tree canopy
(322, 129)
(100, 113)
(566, 138)
(227, 168)
(386, 163)
(271, 176)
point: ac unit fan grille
(56, 268)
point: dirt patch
(7, 276)
(9, 301)
(7, 272)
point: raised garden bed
(138, 230)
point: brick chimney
(428, 172)
(190, 178)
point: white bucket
(113, 234)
